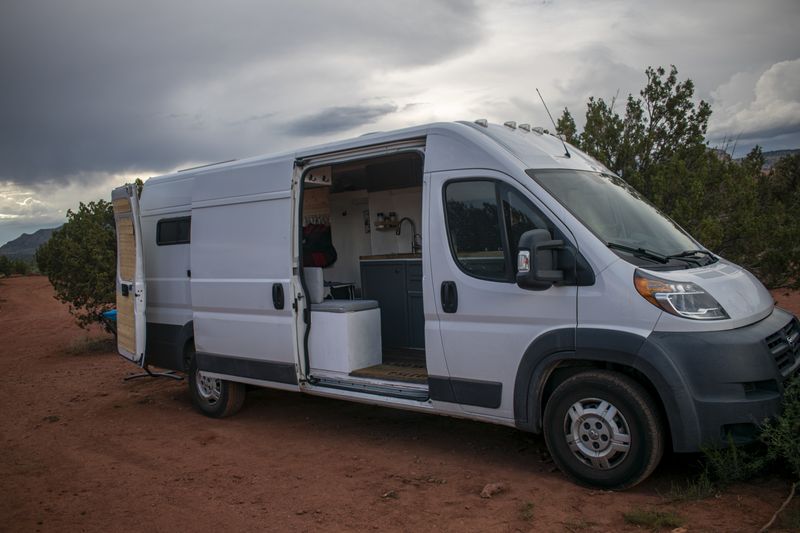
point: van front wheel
(212, 396)
(603, 430)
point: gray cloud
(91, 85)
(336, 119)
(768, 106)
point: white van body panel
(612, 303)
(496, 321)
(166, 267)
(241, 247)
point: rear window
(173, 231)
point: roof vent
(526, 127)
(482, 122)
(539, 130)
(511, 124)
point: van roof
(534, 149)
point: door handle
(277, 295)
(124, 288)
(449, 297)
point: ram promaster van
(467, 269)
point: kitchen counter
(395, 281)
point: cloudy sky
(94, 93)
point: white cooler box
(345, 335)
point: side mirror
(537, 260)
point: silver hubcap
(597, 433)
(208, 388)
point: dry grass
(90, 345)
(653, 519)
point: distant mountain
(25, 246)
(770, 158)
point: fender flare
(548, 351)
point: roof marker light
(525, 127)
(482, 122)
(539, 130)
(511, 124)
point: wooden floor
(407, 366)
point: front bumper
(726, 383)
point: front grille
(784, 345)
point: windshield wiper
(641, 252)
(690, 255)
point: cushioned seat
(344, 306)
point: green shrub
(80, 261)
(15, 266)
(735, 463)
(782, 435)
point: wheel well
(568, 368)
(188, 353)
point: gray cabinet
(397, 286)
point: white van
(468, 269)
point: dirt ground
(84, 450)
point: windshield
(615, 212)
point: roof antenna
(555, 128)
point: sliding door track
(403, 391)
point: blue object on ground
(110, 315)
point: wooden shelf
(385, 226)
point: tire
(214, 397)
(603, 430)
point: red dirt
(84, 450)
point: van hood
(743, 297)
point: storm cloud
(336, 119)
(95, 85)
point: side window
(475, 229)
(173, 231)
(520, 216)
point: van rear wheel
(603, 430)
(212, 396)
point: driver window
(475, 229)
(485, 220)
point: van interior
(362, 266)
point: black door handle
(277, 295)
(124, 289)
(449, 297)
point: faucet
(416, 246)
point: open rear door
(130, 275)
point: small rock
(679, 530)
(491, 489)
(389, 494)
(52, 418)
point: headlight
(679, 298)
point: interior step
(403, 355)
(403, 371)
